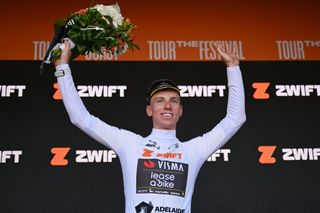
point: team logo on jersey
(161, 177)
(167, 155)
(153, 144)
(163, 209)
(144, 207)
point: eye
(175, 101)
(159, 100)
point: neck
(163, 136)
(163, 133)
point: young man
(159, 171)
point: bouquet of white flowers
(92, 30)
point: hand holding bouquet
(92, 30)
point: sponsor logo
(290, 50)
(162, 50)
(144, 207)
(161, 177)
(40, 48)
(59, 154)
(57, 93)
(202, 90)
(285, 90)
(104, 56)
(160, 209)
(266, 154)
(12, 90)
(10, 155)
(167, 50)
(94, 91)
(149, 164)
(220, 153)
(147, 153)
(208, 52)
(297, 90)
(167, 155)
(82, 156)
(297, 154)
(295, 50)
(261, 90)
(95, 156)
(288, 154)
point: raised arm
(235, 116)
(108, 135)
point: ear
(181, 110)
(149, 111)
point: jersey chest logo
(161, 177)
(166, 155)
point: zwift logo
(12, 90)
(285, 90)
(60, 154)
(202, 90)
(7, 155)
(288, 154)
(103, 91)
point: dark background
(35, 123)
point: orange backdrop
(272, 30)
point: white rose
(111, 10)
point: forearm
(105, 134)
(235, 116)
(77, 112)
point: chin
(168, 127)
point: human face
(165, 109)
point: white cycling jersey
(159, 171)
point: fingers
(228, 53)
(65, 54)
(222, 52)
(67, 48)
(67, 45)
(227, 48)
(218, 47)
(234, 50)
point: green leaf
(124, 36)
(89, 35)
(109, 20)
(59, 24)
(96, 49)
(136, 46)
(83, 36)
(74, 35)
(83, 20)
(98, 35)
(82, 48)
(74, 53)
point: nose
(167, 105)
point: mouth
(167, 115)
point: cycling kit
(159, 171)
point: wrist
(233, 69)
(232, 64)
(62, 70)
(62, 66)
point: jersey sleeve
(110, 136)
(211, 141)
